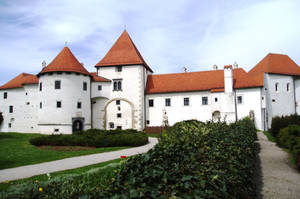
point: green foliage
(94, 137)
(289, 138)
(282, 122)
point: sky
(170, 34)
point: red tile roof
(65, 61)
(97, 78)
(276, 64)
(123, 52)
(20, 81)
(198, 81)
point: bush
(296, 153)
(287, 136)
(282, 122)
(94, 137)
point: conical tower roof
(65, 61)
(123, 52)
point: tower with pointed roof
(64, 95)
(127, 69)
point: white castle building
(123, 93)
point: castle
(123, 93)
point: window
(118, 102)
(57, 84)
(119, 115)
(56, 130)
(276, 87)
(239, 99)
(99, 87)
(111, 125)
(117, 85)
(58, 104)
(186, 101)
(11, 109)
(27, 103)
(288, 87)
(79, 105)
(216, 99)
(119, 108)
(147, 122)
(119, 127)
(5, 95)
(151, 102)
(205, 100)
(41, 86)
(41, 105)
(119, 68)
(273, 100)
(84, 86)
(168, 102)
(9, 125)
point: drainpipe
(235, 105)
(145, 119)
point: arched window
(288, 87)
(276, 87)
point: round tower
(64, 95)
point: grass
(39, 178)
(269, 136)
(154, 135)
(15, 150)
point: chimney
(184, 69)
(228, 79)
(215, 67)
(44, 64)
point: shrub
(287, 136)
(296, 153)
(282, 122)
(94, 137)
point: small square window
(58, 104)
(27, 103)
(186, 101)
(57, 84)
(168, 102)
(273, 100)
(204, 100)
(147, 122)
(239, 99)
(119, 108)
(151, 102)
(5, 95)
(84, 86)
(118, 102)
(119, 115)
(9, 125)
(79, 105)
(99, 87)
(216, 99)
(119, 68)
(11, 109)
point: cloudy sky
(170, 34)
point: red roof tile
(97, 78)
(65, 61)
(198, 81)
(123, 52)
(277, 64)
(20, 81)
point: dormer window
(119, 68)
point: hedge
(192, 160)
(289, 138)
(280, 122)
(94, 137)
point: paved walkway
(71, 163)
(279, 180)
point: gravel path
(71, 163)
(279, 179)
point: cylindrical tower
(64, 95)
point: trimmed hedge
(289, 138)
(95, 138)
(282, 122)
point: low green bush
(296, 153)
(94, 137)
(279, 123)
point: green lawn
(15, 150)
(79, 171)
